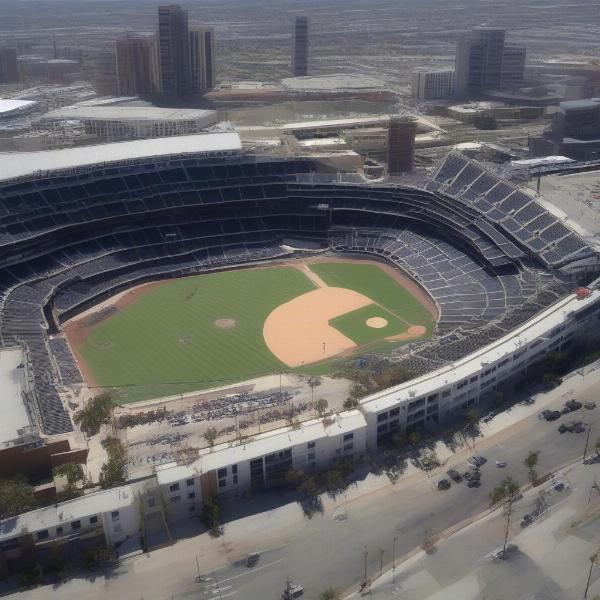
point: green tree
(211, 515)
(427, 461)
(16, 496)
(313, 382)
(530, 462)
(294, 478)
(508, 488)
(72, 471)
(210, 435)
(97, 412)
(330, 594)
(350, 403)
(321, 406)
(414, 438)
(114, 470)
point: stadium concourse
(78, 226)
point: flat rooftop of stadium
(19, 164)
(13, 414)
(129, 113)
(9, 105)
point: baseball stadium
(195, 266)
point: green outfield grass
(354, 324)
(374, 282)
(166, 342)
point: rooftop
(66, 512)
(13, 414)
(19, 164)
(130, 113)
(342, 82)
(8, 105)
(471, 364)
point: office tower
(432, 84)
(104, 73)
(300, 50)
(202, 58)
(492, 51)
(485, 62)
(9, 71)
(174, 51)
(137, 65)
(513, 66)
(401, 145)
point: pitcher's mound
(377, 322)
(225, 323)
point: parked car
(473, 475)
(577, 427)
(252, 559)
(590, 405)
(501, 464)
(474, 483)
(293, 591)
(454, 475)
(489, 417)
(550, 415)
(573, 405)
(562, 428)
(477, 460)
(527, 520)
(590, 460)
(443, 484)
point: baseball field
(204, 331)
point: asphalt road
(330, 549)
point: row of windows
(44, 534)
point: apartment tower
(202, 58)
(300, 50)
(174, 51)
(137, 65)
(401, 145)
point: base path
(298, 332)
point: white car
(501, 464)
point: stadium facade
(500, 267)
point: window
(394, 424)
(114, 515)
(43, 535)
(382, 428)
(222, 482)
(395, 412)
(382, 417)
(235, 480)
(432, 397)
(461, 384)
(189, 482)
(446, 393)
(191, 495)
(311, 456)
(175, 499)
(348, 436)
(416, 404)
(234, 469)
(93, 520)
(348, 447)
(474, 379)
(59, 530)
(151, 502)
(174, 487)
(222, 473)
(311, 445)
(76, 525)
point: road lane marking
(249, 572)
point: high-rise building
(300, 50)
(104, 73)
(513, 66)
(432, 84)
(174, 51)
(401, 145)
(137, 65)
(202, 58)
(9, 70)
(485, 62)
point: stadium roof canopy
(19, 164)
(13, 414)
(130, 113)
(8, 106)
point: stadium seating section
(485, 251)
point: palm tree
(330, 594)
(530, 462)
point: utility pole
(587, 440)
(381, 552)
(394, 555)
(365, 554)
(510, 503)
(593, 563)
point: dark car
(474, 483)
(551, 415)
(443, 484)
(473, 475)
(573, 405)
(577, 427)
(477, 460)
(562, 428)
(454, 475)
(252, 559)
